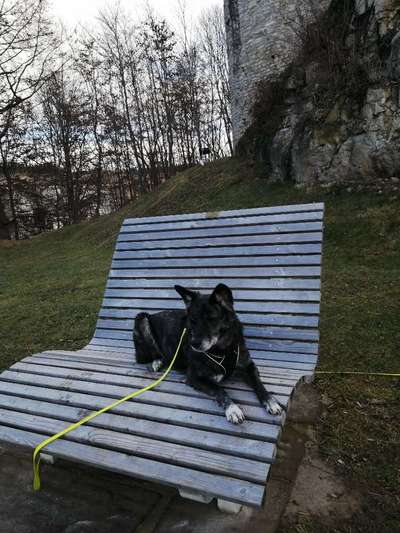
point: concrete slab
(73, 500)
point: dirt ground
(79, 500)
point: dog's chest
(220, 366)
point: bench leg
(228, 507)
(201, 497)
(47, 458)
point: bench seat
(271, 259)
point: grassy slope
(51, 289)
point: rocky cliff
(332, 112)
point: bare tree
(26, 46)
(213, 43)
(88, 64)
(12, 147)
(66, 125)
(132, 102)
(25, 52)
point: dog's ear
(222, 295)
(187, 295)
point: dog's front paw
(156, 365)
(234, 414)
(273, 406)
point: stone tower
(260, 36)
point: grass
(51, 288)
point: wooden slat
(112, 343)
(93, 346)
(223, 222)
(220, 486)
(215, 262)
(222, 251)
(283, 346)
(244, 306)
(274, 319)
(272, 370)
(266, 430)
(262, 358)
(127, 241)
(244, 272)
(238, 295)
(234, 445)
(218, 232)
(209, 284)
(113, 334)
(126, 356)
(296, 208)
(281, 333)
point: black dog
(212, 349)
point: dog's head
(210, 317)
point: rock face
(324, 123)
(351, 150)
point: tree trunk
(5, 224)
(10, 187)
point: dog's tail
(146, 345)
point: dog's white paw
(156, 365)
(273, 406)
(234, 414)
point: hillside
(51, 288)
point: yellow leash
(39, 448)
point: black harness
(227, 362)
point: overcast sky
(73, 12)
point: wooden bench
(271, 258)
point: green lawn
(51, 288)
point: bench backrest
(270, 257)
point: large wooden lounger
(271, 258)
